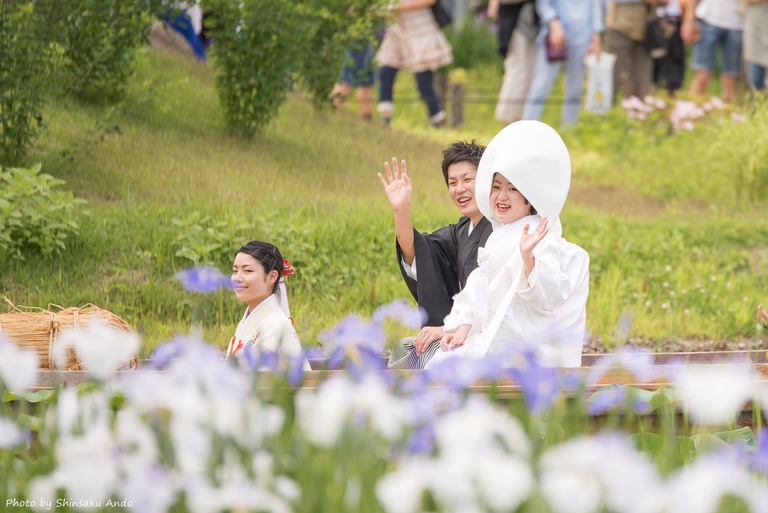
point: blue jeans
(387, 76)
(705, 51)
(544, 78)
(756, 76)
(358, 70)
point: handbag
(655, 38)
(555, 54)
(442, 13)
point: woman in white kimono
(531, 286)
(257, 277)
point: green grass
(675, 226)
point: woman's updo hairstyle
(268, 256)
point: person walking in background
(669, 70)
(518, 27)
(756, 42)
(358, 73)
(571, 29)
(625, 24)
(709, 25)
(435, 266)
(414, 43)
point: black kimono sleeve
(437, 271)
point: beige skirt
(415, 43)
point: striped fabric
(403, 355)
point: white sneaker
(386, 110)
(438, 119)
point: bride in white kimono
(257, 277)
(531, 286)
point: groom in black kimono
(436, 266)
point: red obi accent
(234, 346)
(287, 268)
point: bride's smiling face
(507, 202)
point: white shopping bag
(599, 82)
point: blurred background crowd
(697, 47)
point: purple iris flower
(422, 441)
(616, 397)
(296, 370)
(433, 403)
(317, 355)
(204, 279)
(760, 456)
(637, 361)
(167, 351)
(399, 310)
(415, 383)
(463, 372)
(364, 360)
(541, 385)
(266, 360)
(250, 359)
(335, 359)
(354, 331)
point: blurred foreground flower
(323, 413)
(401, 312)
(203, 279)
(18, 367)
(482, 464)
(715, 395)
(360, 343)
(101, 348)
(604, 472)
(10, 434)
(700, 486)
(619, 397)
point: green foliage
(473, 44)
(253, 56)
(204, 239)
(23, 69)
(34, 214)
(749, 162)
(261, 46)
(99, 40)
(329, 28)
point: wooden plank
(612, 376)
(589, 360)
(759, 356)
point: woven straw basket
(38, 329)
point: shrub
(33, 215)
(329, 28)
(253, 55)
(23, 65)
(100, 39)
(261, 45)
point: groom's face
(461, 186)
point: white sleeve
(410, 270)
(467, 302)
(557, 273)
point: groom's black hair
(461, 151)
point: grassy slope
(308, 183)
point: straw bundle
(39, 329)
